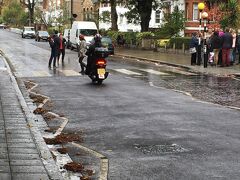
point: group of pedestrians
(222, 47)
(57, 44)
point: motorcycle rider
(91, 52)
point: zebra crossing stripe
(154, 72)
(128, 72)
(184, 72)
(41, 74)
(69, 72)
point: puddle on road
(160, 149)
(209, 88)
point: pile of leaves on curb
(62, 150)
(74, 167)
(63, 138)
(40, 111)
(38, 99)
(29, 84)
(77, 167)
(48, 116)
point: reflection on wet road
(214, 89)
(32, 60)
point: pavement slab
(19, 154)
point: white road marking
(3, 68)
(69, 72)
(128, 72)
(183, 72)
(41, 74)
(151, 71)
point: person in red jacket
(61, 48)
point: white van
(87, 28)
(66, 35)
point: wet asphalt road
(135, 122)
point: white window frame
(195, 12)
(157, 17)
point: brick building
(192, 16)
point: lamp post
(205, 18)
(200, 8)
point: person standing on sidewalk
(193, 48)
(56, 47)
(82, 52)
(233, 50)
(62, 41)
(216, 44)
(226, 46)
(238, 46)
(51, 43)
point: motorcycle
(98, 70)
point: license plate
(101, 73)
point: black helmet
(97, 38)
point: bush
(51, 30)
(144, 35)
(163, 42)
(130, 37)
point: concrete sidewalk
(24, 154)
(181, 60)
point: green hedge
(136, 37)
(179, 41)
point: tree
(14, 14)
(114, 15)
(230, 14)
(39, 17)
(173, 23)
(105, 17)
(140, 11)
(30, 4)
(224, 13)
(63, 16)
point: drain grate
(160, 149)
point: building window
(121, 18)
(157, 17)
(195, 11)
(187, 11)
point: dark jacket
(56, 43)
(193, 42)
(51, 43)
(227, 40)
(216, 41)
(238, 41)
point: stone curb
(187, 68)
(42, 148)
(153, 60)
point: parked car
(41, 35)
(28, 32)
(107, 41)
(2, 26)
